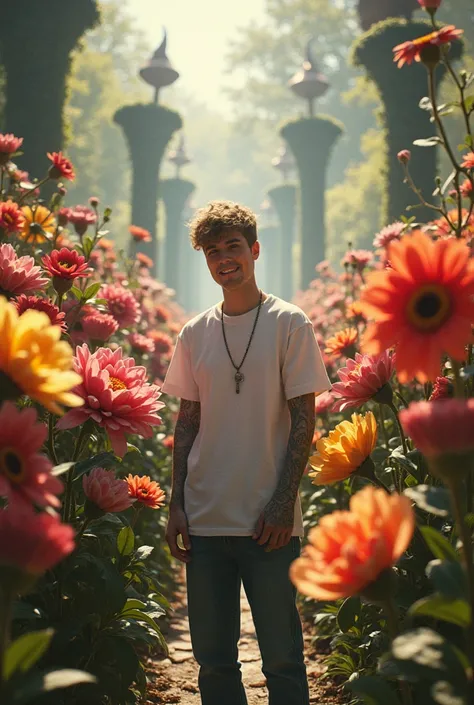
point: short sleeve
(179, 380)
(303, 369)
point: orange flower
(343, 343)
(144, 260)
(105, 244)
(348, 550)
(39, 223)
(468, 161)
(354, 310)
(418, 48)
(423, 305)
(144, 490)
(139, 234)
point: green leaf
(374, 690)
(102, 460)
(36, 683)
(434, 500)
(448, 578)
(144, 617)
(132, 604)
(87, 246)
(429, 142)
(75, 291)
(438, 544)
(125, 541)
(61, 468)
(25, 651)
(403, 460)
(439, 607)
(348, 613)
(91, 291)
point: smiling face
(231, 261)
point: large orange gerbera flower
(417, 49)
(423, 305)
(343, 343)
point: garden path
(174, 679)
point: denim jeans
(218, 566)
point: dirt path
(174, 679)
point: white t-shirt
(239, 452)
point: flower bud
(404, 156)
(430, 5)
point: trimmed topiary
(175, 193)
(401, 90)
(36, 41)
(311, 141)
(283, 199)
(148, 128)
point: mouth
(228, 271)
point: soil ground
(174, 679)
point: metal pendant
(239, 378)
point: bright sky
(198, 35)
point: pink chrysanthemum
(443, 388)
(61, 167)
(18, 275)
(23, 303)
(140, 343)
(438, 429)
(99, 326)
(122, 304)
(116, 396)
(33, 542)
(9, 144)
(388, 234)
(81, 217)
(362, 379)
(107, 492)
(25, 474)
(11, 217)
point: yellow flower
(34, 361)
(39, 221)
(344, 450)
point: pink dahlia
(105, 491)
(122, 304)
(9, 144)
(23, 303)
(140, 343)
(25, 474)
(81, 217)
(363, 379)
(389, 233)
(438, 429)
(11, 217)
(33, 542)
(116, 396)
(99, 326)
(442, 389)
(18, 274)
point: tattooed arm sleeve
(187, 427)
(281, 507)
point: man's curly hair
(211, 222)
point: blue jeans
(218, 566)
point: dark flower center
(11, 465)
(429, 307)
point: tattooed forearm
(280, 509)
(187, 427)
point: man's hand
(274, 526)
(178, 526)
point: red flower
(11, 217)
(168, 442)
(61, 167)
(430, 4)
(139, 234)
(442, 389)
(468, 161)
(145, 491)
(66, 264)
(23, 303)
(9, 144)
(411, 51)
(438, 429)
(81, 217)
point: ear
(255, 250)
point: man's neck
(242, 300)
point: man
(246, 371)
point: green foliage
(35, 89)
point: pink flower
(81, 217)
(9, 144)
(99, 326)
(442, 389)
(103, 489)
(430, 4)
(362, 379)
(11, 217)
(23, 303)
(18, 275)
(25, 474)
(162, 342)
(437, 429)
(359, 259)
(33, 542)
(61, 167)
(466, 189)
(405, 155)
(63, 216)
(389, 233)
(162, 315)
(468, 161)
(116, 396)
(66, 264)
(140, 343)
(121, 303)
(323, 402)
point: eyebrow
(227, 242)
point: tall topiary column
(36, 41)
(311, 140)
(402, 122)
(175, 193)
(148, 129)
(283, 198)
(269, 235)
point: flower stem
(394, 410)
(27, 192)
(70, 474)
(384, 430)
(456, 490)
(6, 605)
(393, 626)
(458, 383)
(51, 448)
